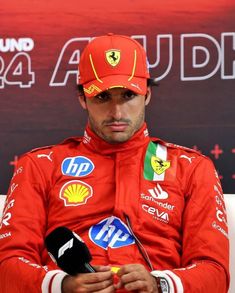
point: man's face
(116, 114)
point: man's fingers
(109, 289)
(100, 286)
(102, 268)
(136, 285)
(136, 277)
(132, 276)
(129, 268)
(92, 282)
(96, 277)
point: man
(151, 212)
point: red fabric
(188, 235)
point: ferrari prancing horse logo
(159, 166)
(113, 57)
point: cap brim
(136, 84)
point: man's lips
(117, 126)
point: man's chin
(117, 137)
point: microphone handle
(89, 268)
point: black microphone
(68, 251)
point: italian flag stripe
(162, 154)
(148, 170)
(154, 150)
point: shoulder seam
(176, 146)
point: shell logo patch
(159, 166)
(75, 193)
(113, 57)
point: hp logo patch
(77, 166)
(111, 232)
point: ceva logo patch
(77, 166)
(111, 232)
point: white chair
(230, 206)
(2, 201)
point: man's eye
(130, 94)
(104, 96)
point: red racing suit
(142, 201)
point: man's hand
(101, 281)
(134, 277)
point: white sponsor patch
(156, 213)
(158, 193)
(47, 156)
(5, 235)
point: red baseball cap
(113, 61)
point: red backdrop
(191, 53)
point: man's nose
(116, 110)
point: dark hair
(80, 89)
(150, 82)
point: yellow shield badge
(113, 57)
(75, 193)
(159, 166)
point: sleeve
(23, 265)
(205, 245)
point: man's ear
(148, 96)
(82, 100)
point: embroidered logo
(113, 57)
(158, 193)
(77, 166)
(156, 163)
(187, 158)
(45, 156)
(75, 193)
(159, 166)
(156, 213)
(111, 232)
(92, 88)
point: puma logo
(45, 156)
(187, 158)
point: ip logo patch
(111, 232)
(77, 166)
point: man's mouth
(117, 126)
